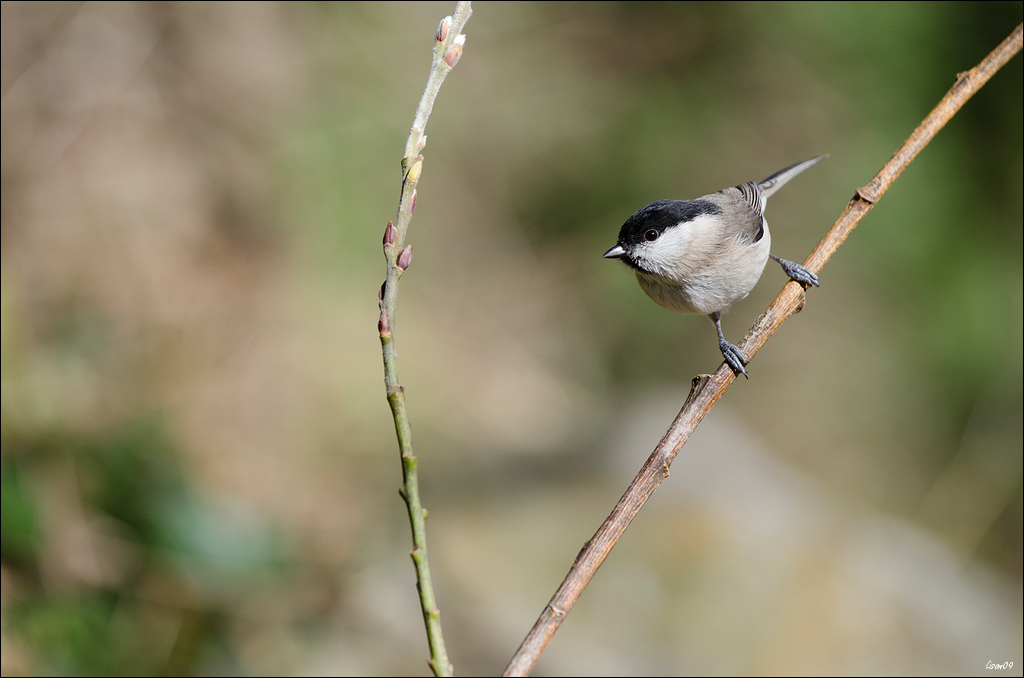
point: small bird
(703, 255)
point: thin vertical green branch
(448, 42)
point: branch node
(867, 194)
(556, 611)
(437, 671)
(696, 386)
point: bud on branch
(442, 30)
(405, 258)
(414, 171)
(454, 53)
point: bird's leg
(796, 272)
(732, 355)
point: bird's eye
(651, 235)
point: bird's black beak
(615, 253)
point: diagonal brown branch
(707, 389)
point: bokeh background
(199, 466)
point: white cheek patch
(683, 248)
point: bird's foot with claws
(734, 357)
(795, 271)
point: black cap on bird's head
(648, 223)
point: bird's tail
(779, 179)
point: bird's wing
(754, 197)
(747, 209)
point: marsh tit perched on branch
(703, 255)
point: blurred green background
(199, 469)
